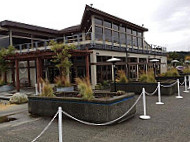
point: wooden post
(28, 68)
(17, 76)
(5, 76)
(13, 73)
(87, 66)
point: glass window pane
(129, 39)
(140, 42)
(135, 41)
(98, 33)
(98, 21)
(140, 34)
(122, 29)
(122, 38)
(108, 35)
(116, 37)
(107, 24)
(115, 27)
(134, 33)
(128, 31)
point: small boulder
(18, 98)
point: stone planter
(65, 89)
(136, 87)
(181, 78)
(97, 110)
(6, 88)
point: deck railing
(77, 39)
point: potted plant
(63, 64)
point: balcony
(83, 41)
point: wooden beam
(87, 66)
(39, 70)
(17, 76)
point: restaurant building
(99, 37)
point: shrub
(186, 70)
(119, 92)
(171, 73)
(121, 77)
(18, 98)
(61, 81)
(147, 78)
(47, 89)
(84, 88)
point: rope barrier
(106, 123)
(151, 94)
(167, 86)
(182, 83)
(45, 128)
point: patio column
(87, 65)
(28, 68)
(17, 76)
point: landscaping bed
(103, 108)
(136, 87)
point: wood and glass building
(99, 37)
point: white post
(185, 79)
(60, 124)
(189, 81)
(159, 95)
(36, 87)
(145, 117)
(178, 90)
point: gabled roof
(13, 24)
(91, 11)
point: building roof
(7, 24)
(86, 15)
(94, 11)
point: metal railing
(77, 39)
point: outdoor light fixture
(113, 61)
(154, 65)
(174, 62)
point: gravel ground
(169, 123)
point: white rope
(169, 85)
(45, 128)
(150, 94)
(182, 83)
(106, 123)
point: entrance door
(132, 71)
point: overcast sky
(168, 21)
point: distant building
(99, 37)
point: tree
(62, 61)
(4, 52)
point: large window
(116, 37)
(135, 41)
(129, 40)
(108, 35)
(122, 38)
(115, 27)
(140, 42)
(98, 21)
(98, 33)
(107, 24)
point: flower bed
(103, 108)
(136, 87)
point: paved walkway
(169, 123)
